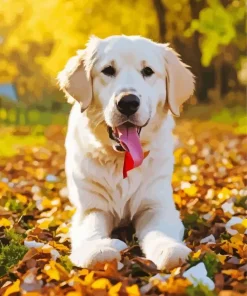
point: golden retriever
(119, 147)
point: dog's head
(126, 79)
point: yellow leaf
(4, 222)
(197, 254)
(227, 247)
(102, 284)
(224, 194)
(75, 279)
(83, 272)
(176, 286)
(222, 258)
(237, 239)
(186, 161)
(178, 153)
(239, 227)
(46, 203)
(234, 273)
(89, 278)
(133, 290)
(177, 199)
(244, 222)
(21, 198)
(52, 272)
(15, 287)
(40, 173)
(55, 271)
(45, 222)
(59, 247)
(74, 293)
(62, 229)
(115, 289)
(191, 191)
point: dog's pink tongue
(130, 140)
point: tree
(37, 37)
(217, 25)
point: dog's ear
(179, 80)
(75, 81)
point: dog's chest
(127, 194)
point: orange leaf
(234, 273)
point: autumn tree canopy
(37, 37)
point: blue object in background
(8, 91)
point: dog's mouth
(127, 137)
(127, 129)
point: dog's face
(126, 79)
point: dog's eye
(147, 71)
(109, 71)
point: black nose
(128, 105)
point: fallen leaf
(133, 290)
(5, 222)
(103, 284)
(14, 288)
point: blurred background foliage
(37, 38)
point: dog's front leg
(90, 240)
(160, 230)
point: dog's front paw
(92, 252)
(167, 254)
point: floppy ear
(74, 80)
(179, 81)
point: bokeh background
(37, 38)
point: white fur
(103, 199)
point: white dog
(119, 146)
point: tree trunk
(160, 10)
(202, 84)
(215, 94)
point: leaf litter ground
(209, 189)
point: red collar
(129, 163)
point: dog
(119, 147)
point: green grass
(32, 117)
(11, 253)
(199, 290)
(212, 264)
(234, 116)
(65, 262)
(13, 236)
(10, 142)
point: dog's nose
(128, 105)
